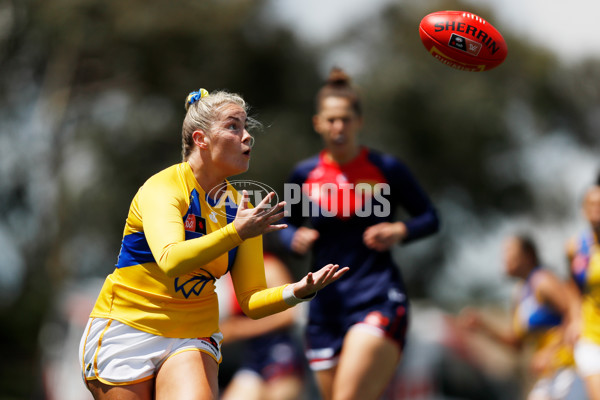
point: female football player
(356, 330)
(584, 256)
(154, 332)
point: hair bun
(338, 77)
(194, 97)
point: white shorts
(117, 354)
(555, 387)
(587, 357)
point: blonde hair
(202, 112)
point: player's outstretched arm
(315, 281)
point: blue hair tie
(195, 96)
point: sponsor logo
(210, 343)
(479, 34)
(195, 223)
(461, 43)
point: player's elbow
(169, 268)
(170, 272)
(252, 314)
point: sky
(566, 28)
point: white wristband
(290, 299)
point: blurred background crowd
(91, 103)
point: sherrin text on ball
(462, 40)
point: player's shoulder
(542, 276)
(385, 159)
(309, 163)
(167, 172)
(304, 167)
(171, 177)
(387, 163)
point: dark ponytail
(339, 85)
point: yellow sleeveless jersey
(176, 243)
(539, 325)
(585, 270)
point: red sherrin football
(462, 40)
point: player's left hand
(383, 236)
(315, 281)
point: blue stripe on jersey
(134, 251)
(536, 315)
(544, 317)
(194, 207)
(230, 211)
(586, 241)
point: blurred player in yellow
(541, 311)
(584, 260)
(154, 332)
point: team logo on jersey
(195, 223)
(193, 285)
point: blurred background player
(356, 332)
(272, 365)
(584, 259)
(540, 313)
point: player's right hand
(251, 222)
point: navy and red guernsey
(341, 202)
